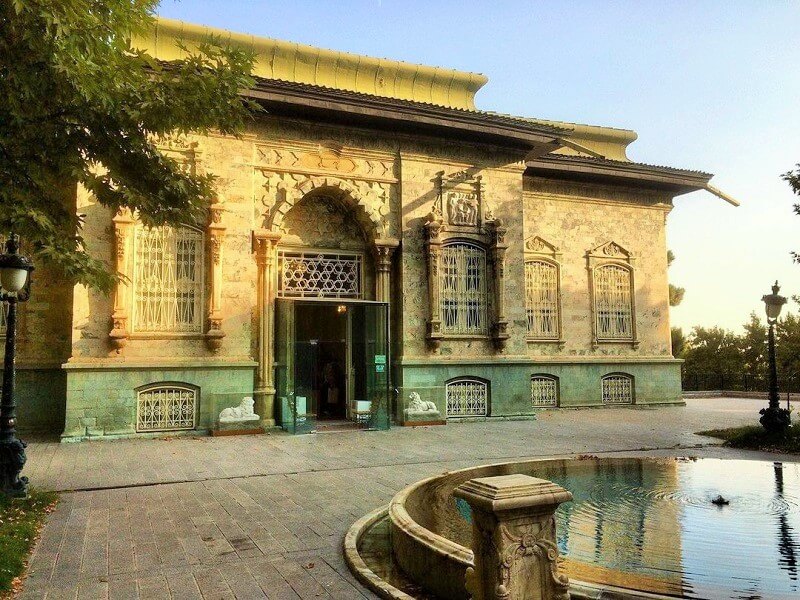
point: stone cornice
(613, 360)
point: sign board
(380, 368)
(380, 359)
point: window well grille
(166, 408)
(462, 284)
(320, 275)
(541, 296)
(544, 391)
(613, 308)
(168, 280)
(617, 389)
(467, 398)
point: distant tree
(81, 106)
(753, 345)
(787, 347)
(793, 178)
(678, 341)
(675, 293)
(713, 352)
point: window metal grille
(168, 280)
(467, 398)
(166, 408)
(617, 389)
(319, 275)
(541, 299)
(613, 310)
(544, 391)
(462, 284)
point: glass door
(370, 364)
(317, 372)
(295, 362)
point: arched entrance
(325, 311)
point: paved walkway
(264, 516)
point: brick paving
(264, 516)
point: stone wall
(386, 185)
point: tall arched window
(541, 300)
(462, 281)
(168, 266)
(617, 388)
(613, 308)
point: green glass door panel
(294, 372)
(370, 354)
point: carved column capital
(514, 537)
(383, 251)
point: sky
(711, 86)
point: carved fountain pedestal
(514, 538)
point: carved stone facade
(395, 198)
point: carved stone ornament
(420, 410)
(462, 208)
(538, 245)
(514, 538)
(610, 250)
(241, 413)
(459, 200)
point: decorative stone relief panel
(287, 171)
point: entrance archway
(322, 242)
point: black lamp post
(774, 418)
(14, 288)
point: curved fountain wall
(430, 537)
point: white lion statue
(243, 412)
(417, 405)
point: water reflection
(650, 524)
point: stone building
(379, 251)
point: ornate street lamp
(774, 418)
(14, 287)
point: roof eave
(371, 110)
(675, 181)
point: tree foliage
(675, 293)
(81, 106)
(717, 356)
(793, 179)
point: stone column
(216, 237)
(500, 333)
(384, 250)
(514, 538)
(433, 246)
(265, 248)
(123, 230)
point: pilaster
(216, 238)
(123, 232)
(265, 245)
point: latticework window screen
(467, 398)
(617, 389)
(544, 391)
(166, 408)
(462, 285)
(319, 275)
(541, 299)
(168, 280)
(613, 310)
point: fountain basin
(639, 528)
